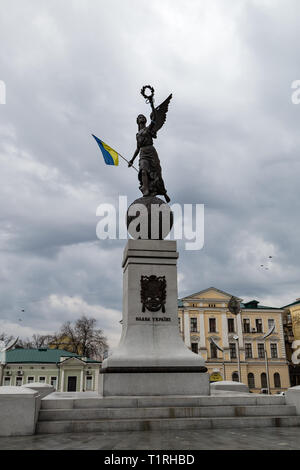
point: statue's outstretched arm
(134, 156)
(153, 114)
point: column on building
(187, 329)
(1, 374)
(62, 380)
(240, 330)
(202, 331)
(81, 380)
(282, 341)
(225, 331)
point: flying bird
(268, 263)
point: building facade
(66, 371)
(205, 324)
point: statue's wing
(161, 114)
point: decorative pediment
(273, 339)
(215, 338)
(72, 361)
(195, 339)
(212, 293)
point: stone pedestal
(151, 358)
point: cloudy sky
(231, 142)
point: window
(271, 322)
(251, 381)
(53, 382)
(6, 381)
(248, 350)
(89, 383)
(211, 305)
(194, 325)
(194, 347)
(261, 350)
(258, 324)
(235, 377)
(277, 382)
(246, 323)
(42, 380)
(213, 351)
(179, 323)
(212, 325)
(19, 381)
(232, 348)
(30, 380)
(274, 353)
(230, 323)
(263, 379)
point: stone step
(65, 401)
(154, 424)
(165, 412)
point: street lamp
(220, 349)
(238, 356)
(266, 356)
(234, 307)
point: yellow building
(204, 316)
(291, 325)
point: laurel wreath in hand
(150, 97)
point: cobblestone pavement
(218, 439)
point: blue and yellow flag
(111, 157)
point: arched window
(277, 382)
(251, 381)
(235, 376)
(263, 379)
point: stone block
(293, 397)
(18, 411)
(229, 386)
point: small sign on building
(215, 377)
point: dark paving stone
(207, 439)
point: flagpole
(127, 161)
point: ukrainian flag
(111, 157)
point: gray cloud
(231, 142)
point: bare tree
(6, 338)
(83, 338)
(37, 341)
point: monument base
(154, 384)
(152, 358)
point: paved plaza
(219, 439)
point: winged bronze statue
(150, 176)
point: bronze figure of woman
(150, 177)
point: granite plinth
(151, 358)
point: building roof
(253, 304)
(40, 356)
(297, 301)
